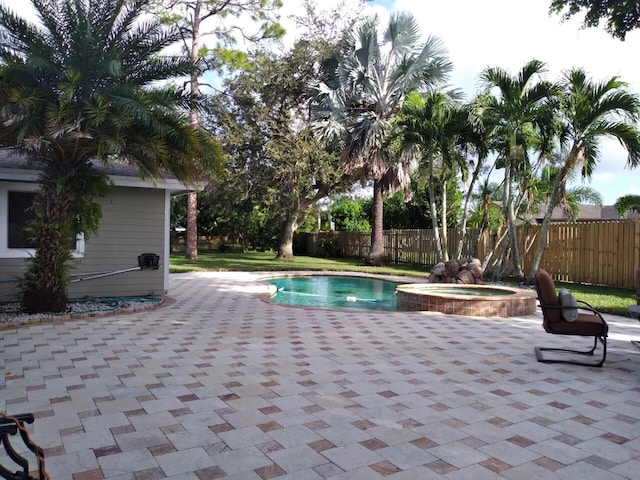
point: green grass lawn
(266, 262)
(605, 299)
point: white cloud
(603, 177)
(509, 33)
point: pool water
(335, 291)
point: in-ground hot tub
(471, 300)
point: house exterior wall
(134, 221)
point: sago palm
(591, 111)
(84, 84)
(354, 111)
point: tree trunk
(434, 219)
(191, 250)
(285, 239)
(491, 253)
(511, 220)
(444, 238)
(376, 254)
(465, 209)
(558, 186)
(44, 285)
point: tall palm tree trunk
(434, 219)
(558, 187)
(465, 209)
(444, 239)
(376, 254)
(511, 220)
(191, 250)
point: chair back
(548, 297)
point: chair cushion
(547, 296)
(586, 324)
(569, 304)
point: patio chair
(10, 426)
(583, 321)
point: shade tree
(209, 33)
(262, 118)
(620, 16)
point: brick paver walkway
(222, 384)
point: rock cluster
(463, 270)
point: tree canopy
(620, 16)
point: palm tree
(590, 111)
(627, 203)
(517, 109)
(84, 85)
(573, 197)
(439, 126)
(354, 111)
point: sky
(507, 34)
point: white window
(15, 213)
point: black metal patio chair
(10, 427)
(587, 323)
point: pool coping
(521, 301)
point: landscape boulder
(463, 270)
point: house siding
(133, 222)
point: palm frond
(402, 33)
(627, 203)
(585, 194)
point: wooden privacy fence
(411, 246)
(600, 252)
(205, 243)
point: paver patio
(220, 383)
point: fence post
(396, 250)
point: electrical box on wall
(148, 260)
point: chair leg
(541, 358)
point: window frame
(5, 251)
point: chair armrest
(9, 427)
(587, 305)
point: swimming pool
(335, 291)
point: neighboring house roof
(609, 212)
(588, 213)
(17, 167)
